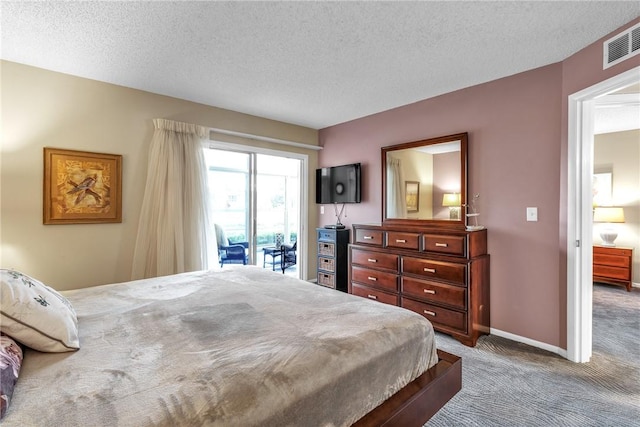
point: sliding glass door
(257, 198)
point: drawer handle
(430, 270)
(372, 296)
(430, 313)
(372, 260)
(372, 278)
(441, 245)
(429, 291)
(401, 241)
(367, 237)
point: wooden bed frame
(419, 400)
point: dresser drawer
(375, 259)
(454, 296)
(611, 260)
(378, 279)
(439, 316)
(368, 237)
(434, 269)
(374, 294)
(611, 272)
(450, 245)
(403, 240)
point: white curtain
(173, 230)
(396, 201)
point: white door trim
(579, 212)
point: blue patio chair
(230, 252)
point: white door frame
(304, 193)
(579, 213)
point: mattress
(241, 346)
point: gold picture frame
(81, 187)
(412, 195)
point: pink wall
(517, 158)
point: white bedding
(240, 346)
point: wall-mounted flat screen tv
(338, 184)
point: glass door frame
(303, 219)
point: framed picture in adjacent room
(412, 194)
(81, 187)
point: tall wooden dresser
(332, 257)
(442, 274)
(613, 265)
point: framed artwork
(602, 189)
(81, 187)
(412, 194)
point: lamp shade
(608, 214)
(451, 199)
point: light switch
(321, 210)
(532, 214)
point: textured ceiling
(314, 64)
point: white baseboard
(533, 343)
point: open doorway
(258, 200)
(579, 212)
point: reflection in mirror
(425, 180)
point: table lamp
(608, 215)
(452, 201)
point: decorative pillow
(36, 315)
(10, 362)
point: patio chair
(288, 256)
(230, 252)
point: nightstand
(613, 265)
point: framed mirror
(425, 182)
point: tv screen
(338, 184)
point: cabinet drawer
(326, 248)
(327, 264)
(434, 269)
(611, 260)
(374, 259)
(611, 272)
(439, 316)
(369, 237)
(374, 294)
(430, 291)
(327, 235)
(328, 280)
(378, 279)
(451, 245)
(403, 240)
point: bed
(241, 346)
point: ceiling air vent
(621, 46)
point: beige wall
(619, 152)
(43, 108)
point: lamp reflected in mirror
(452, 201)
(608, 215)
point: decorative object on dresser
(608, 215)
(332, 258)
(439, 273)
(473, 214)
(613, 265)
(433, 264)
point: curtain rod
(264, 138)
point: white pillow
(36, 315)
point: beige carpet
(505, 383)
